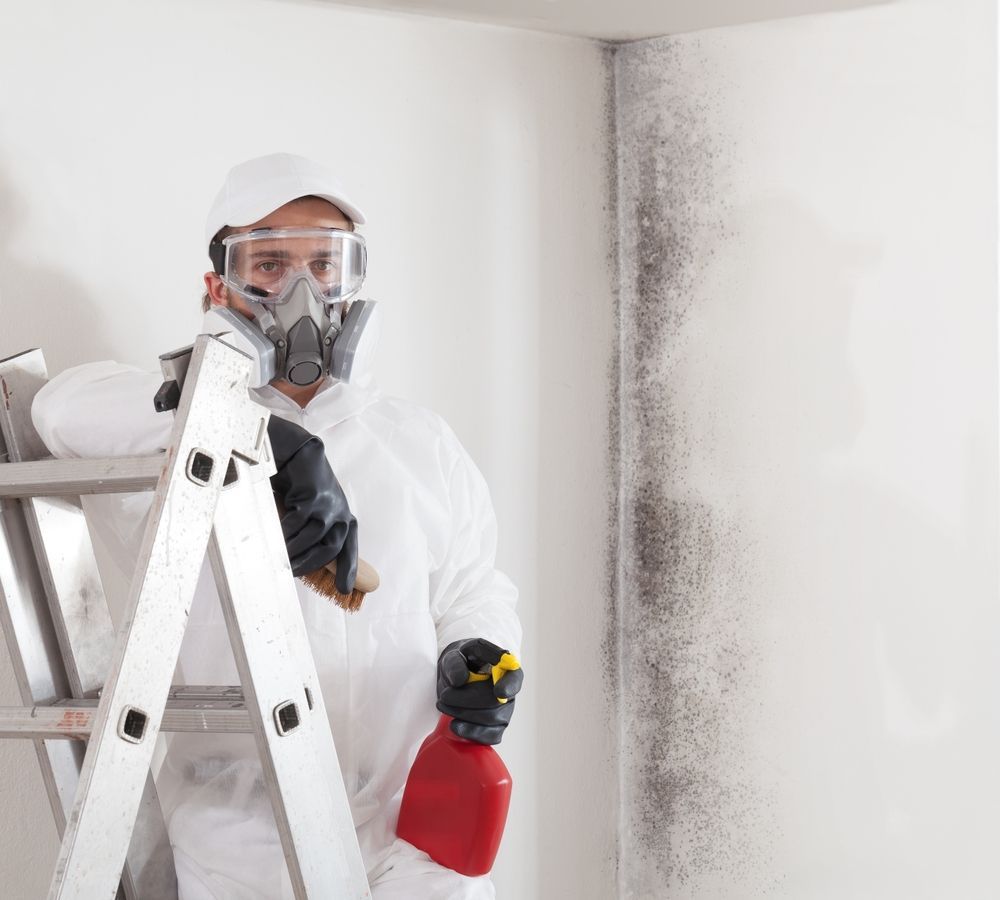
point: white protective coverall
(425, 521)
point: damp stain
(679, 561)
(610, 643)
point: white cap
(259, 186)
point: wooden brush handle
(367, 579)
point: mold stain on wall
(681, 617)
(610, 644)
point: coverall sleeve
(106, 409)
(470, 598)
(101, 409)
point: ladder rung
(73, 719)
(72, 477)
(218, 692)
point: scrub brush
(323, 581)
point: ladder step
(74, 719)
(72, 477)
(218, 692)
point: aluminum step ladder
(82, 680)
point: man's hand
(480, 707)
(317, 522)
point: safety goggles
(266, 263)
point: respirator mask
(299, 284)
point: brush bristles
(324, 583)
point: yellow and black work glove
(317, 522)
(476, 684)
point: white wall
(480, 155)
(806, 391)
(808, 577)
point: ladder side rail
(34, 652)
(300, 650)
(31, 641)
(282, 692)
(59, 536)
(78, 610)
(215, 419)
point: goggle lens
(263, 265)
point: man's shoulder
(413, 422)
(403, 410)
(410, 415)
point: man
(282, 236)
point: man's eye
(324, 265)
(268, 266)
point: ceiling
(614, 20)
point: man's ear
(216, 289)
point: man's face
(308, 212)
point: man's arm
(106, 409)
(473, 607)
(101, 409)
(470, 598)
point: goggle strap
(217, 253)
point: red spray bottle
(457, 795)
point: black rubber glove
(317, 522)
(475, 706)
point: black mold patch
(611, 643)
(611, 648)
(680, 619)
